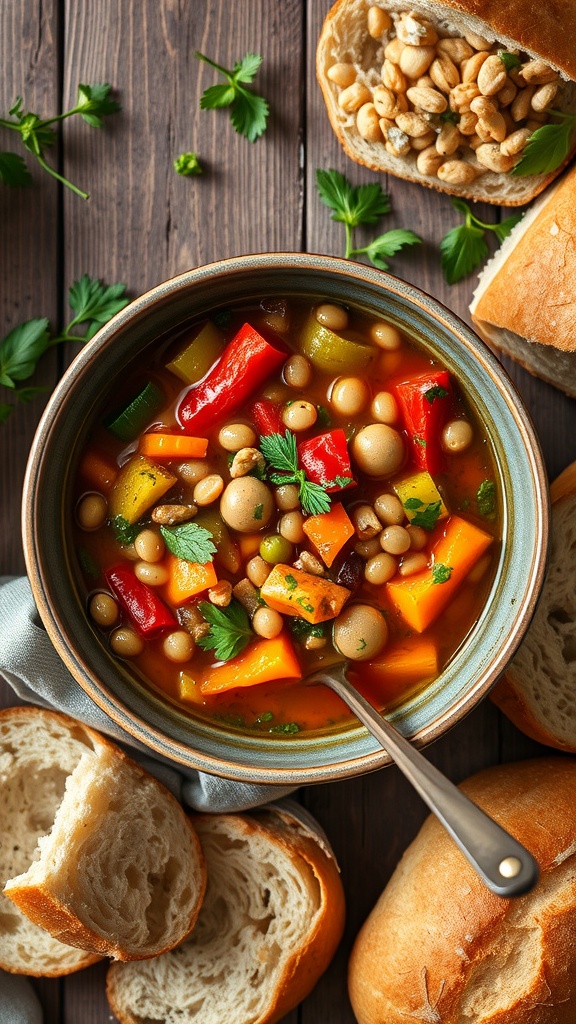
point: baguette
(268, 928)
(368, 123)
(525, 301)
(537, 690)
(119, 869)
(439, 947)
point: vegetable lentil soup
(286, 486)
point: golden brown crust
(437, 936)
(532, 293)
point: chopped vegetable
(419, 598)
(230, 630)
(173, 446)
(463, 248)
(247, 361)
(329, 532)
(188, 165)
(138, 485)
(261, 662)
(332, 353)
(282, 454)
(141, 602)
(190, 541)
(301, 594)
(130, 421)
(421, 500)
(196, 357)
(186, 579)
(402, 665)
(267, 417)
(97, 470)
(248, 111)
(424, 418)
(326, 460)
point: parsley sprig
(463, 248)
(281, 452)
(354, 205)
(92, 302)
(547, 147)
(37, 135)
(188, 165)
(189, 541)
(230, 629)
(248, 111)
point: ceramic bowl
(158, 724)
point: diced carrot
(249, 544)
(329, 532)
(138, 485)
(98, 471)
(173, 446)
(401, 665)
(420, 598)
(186, 579)
(301, 594)
(261, 662)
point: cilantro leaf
(486, 499)
(352, 205)
(282, 454)
(441, 573)
(188, 164)
(246, 69)
(547, 147)
(249, 114)
(230, 629)
(248, 111)
(13, 170)
(217, 96)
(21, 349)
(189, 541)
(94, 102)
(387, 245)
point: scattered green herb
(354, 205)
(511, 61)
(486, 499)
(248, 112)
(426, 515)
(124, 532)
(302, 629)
(547, 147)
(258, 511)
(189, 541)
(436, 392)
(280, 451)
(420, 440)
(463, 248)
(362, 645)
(266, 716)
(236, 721)
(324, 418)
(305, 604)
(441, 573)
(188, 165)
(338, 481)
(36, 134)
(290, 581)
(230, 629)
(449, 117)
(288, 727)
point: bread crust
(440, 947)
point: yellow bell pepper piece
(195, 359)
(417, 492)
(138, 485)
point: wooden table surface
(143, 224)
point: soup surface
(285, 487)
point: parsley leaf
(463, 248)
(95, 302)
(486, 499)
(125, 532)
(547, 147)
(189, 541)
(387, 245)
(290, 728)
(21, 349)
(188, 164)
(13, 170)
(435, 392)
(248, 111)
(441, 573)
(352, 205)
(94, 102)
(230, 629)
(511, 61)
(281, 452)
(425, 516)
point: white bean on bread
(537, 690)
(438, 947)
(419, 89)
(525, 301)
(270, 923)
(119, 870)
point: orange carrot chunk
(261, 662)
(173, 446)
(329, 532)
(186, 579)
(301, 594)
(98, 471)
(422, 597)
(410, 661)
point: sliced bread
(270, 923)
(119, 869)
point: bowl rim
(144, 732)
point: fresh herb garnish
(258, 510)
(291, 582)
(248, 112)
(486, 499)
(188, 164)
(21, 349)
(230, 629)
(305, 604)
(435, 392)
(425, 516)
(511, 61)
(339, 481)
(547, 147)
(302, 629)
(463, 248)
(125, 532)
(441, 573)
(420, 440)
(281, 452)
(288, 727)
(362, 645)
(324, 419)
(354, 205)
(189, 541)
(266, 716)
(36, 134)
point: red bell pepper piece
(325, 459)
(267, 417)
(425, 403)
(148, 613)
(247, 361)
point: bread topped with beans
(448, 94)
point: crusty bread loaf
(525, 301)
(537, 690)
(119, 869)
(270, 923)
(440, 948)
(536, 29)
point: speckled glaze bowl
(159, 724)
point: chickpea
(91, 511)
(476, 574)
(193, 470)
(386, 336)
(126, 643)
(384, 407)
(342, 74)
(291, 527)
(380, 568)
(275, 549)
(457, 436)
(153, 575)
(149, 546)
(103, 609)
(418, 538)
(258, 570)
(412, 563)
(209, 489)
(267, 623)
(297, 371)
(389, 509)
(395, 540)
(299, 415)
(360, 632)
(246, 504)
(378, 449)
(178, 646)
(335, 318)
(287, 497)
(235, 436)
(350, 395)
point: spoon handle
(507, 868)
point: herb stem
(64, 181)
(349, 250)
(218, 67)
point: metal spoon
(507, 868)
